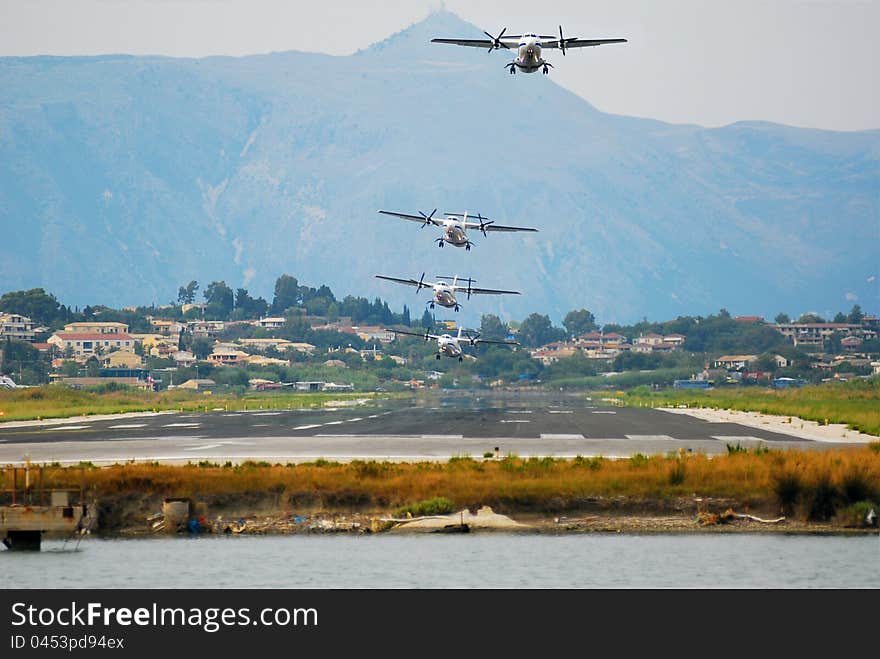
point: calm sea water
(451, 561)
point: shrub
(855, 487)
(638, 460)
(856, 514)
(822, 498)
(733, 449)
(787, 486)
(435, 506)
(677, 473)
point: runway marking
(373, 416)
(561, 436)
(561, 411)
(259, 425)
(520, 412)
(441, 436)
(217, 445)
(266, 413)
(70, 427)
(357, 418)
(515, 421)
(650, 437)
(333, 423)
(182, 425)
(603, 412)
(730, 438)
(308, 427)
(129, 425)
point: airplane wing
(419, 334)
(498, 227)
(415, 218)
(580, 43)
(510, 41)
(503, 343)
(485, 291)
(408, 282)
(487, 224)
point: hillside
(123, 177)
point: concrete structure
(205, 329)
(90, 343)
(816, 334)
(733, 362)
(17, 327)
(121, 359)
(275, 322)
(201, 384)
(97, 327)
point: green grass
(55, 401)
(855, 403)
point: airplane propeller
(428, 218)
(563, 40)
(469, 288)
(473, 339)
(496, 41)
(421, 284)
(483, 225)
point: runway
(435, 428)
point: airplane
(444, 292)
(455, 226)
(528, 47)
(450, 346)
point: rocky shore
(483, 520)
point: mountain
(122, 178)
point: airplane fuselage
(448, 346)
(528, 54)
(444, 296)
(454, 233)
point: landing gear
(546, 70)
(511, 67)
(438, 358)
(457, 307)
(467, 247)
(461, 359)
(547, 67)
(430, 305)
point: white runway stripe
(545, 435)
(651, 438)
(308, 427)
(129, 425)
(181, 425)
(70, 427)
(737, 438)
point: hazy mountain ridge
(122, 177)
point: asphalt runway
(434, 428)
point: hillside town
(309, 346)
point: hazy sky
(711, 62)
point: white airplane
(444, 292)
(450, 346)
(528, 47)
(455, 226)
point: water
(452, 561)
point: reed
(811, 484)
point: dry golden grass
(512, 483)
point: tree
(220, 299)
(187, 294)
(855, 315)
(810, 318)
(287, 294)
(839, 317)
(427, 320)
(537, 330)
(202, 347)
(249, 307)
(579, 322)
(492, 328)
(35, 304)
(782, 319)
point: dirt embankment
(260, 514)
